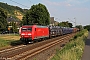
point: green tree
(14, 27)
(70, 25)
(37, 14)
(87, 27)
(80, 27)
(3, 21)
(65, 24)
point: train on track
(31, 33)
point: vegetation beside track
(9, 40)
(74, 49)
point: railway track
(26, 51)
(11, 48)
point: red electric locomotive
(33, 32)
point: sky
(74, 11)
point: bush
(79, 34)
(74, 49)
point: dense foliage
(3, 21)
(14, 27)
(37, 14)
(11, 9)
(74, 49)
(80, 27)
(65, 24)
(87, 27)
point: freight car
(31, 33)
(75, 30)
(66, 30)
(54, 31)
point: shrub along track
(27, 51)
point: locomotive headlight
(22, 34)
(29, 34)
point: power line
(73, 21)
(19, 3)
(31, 2)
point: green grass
(9, 40)
(4, 43)
(74, 49)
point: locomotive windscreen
(26, 29)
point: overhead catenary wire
(19, 3)
(31, 2)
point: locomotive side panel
(41, 32)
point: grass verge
(4, 43)
(9, 40)
(74, 49)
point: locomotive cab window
(26, 29)
(29, 29)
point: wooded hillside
(14, 11)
